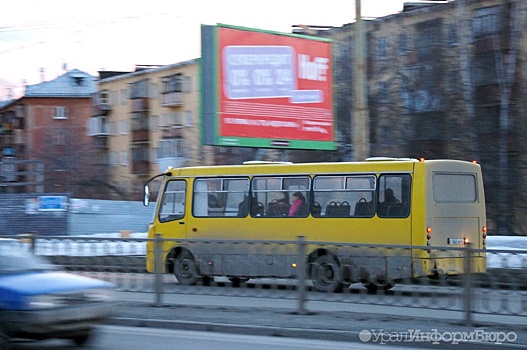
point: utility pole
(360, 118)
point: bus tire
(186, 269)
(326, 274)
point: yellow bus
(395, 202)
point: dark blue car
(39, 301)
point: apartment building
(447, 79)
(43, 138)
(144, 121)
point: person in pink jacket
(298, 201)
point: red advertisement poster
(274, 86)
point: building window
(124, 158)
(169, 148)
(154, 122)
(59, 113)
(113, 158)
(140, 153)
(97, 126)
(173, 83)
(487, 21)
(404, 45)
(452, 34)
(382, 96)
(187, 84)
(124, 96)
(153, 91)
(78, 81)
(124, 127)
(112, 128)
(139, 121)
(428, 39)
(188, 118)
(176, 120)
(139, 89)
(485, 70)
(163, 121)
(488, 120)
(382, 48)
(103, 97)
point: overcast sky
(113, 35)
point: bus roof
(376, 165)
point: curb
(321, 334)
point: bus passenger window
(394, 196)
(277, 194)
(251, 206)
(219, 197)
(345, 196)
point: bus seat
(395, 210)
(345, 209)
(332, 209)
(278, 208)
(259, 209)
(302, 210)
(363, 208)
(317, 210)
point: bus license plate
(456, 241)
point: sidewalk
(355, 323)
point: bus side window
(276, 194)
(345, 196)
(394, 196)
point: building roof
(5, 103)
(74, 83)
(142, 71)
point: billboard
(266, 89)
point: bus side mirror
(146, 196)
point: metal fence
(498, 291)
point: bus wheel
(185, 269)
(377, 286)
(326, 274)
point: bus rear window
(454, 188)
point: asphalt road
(140, 338)
(355, 323)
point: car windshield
(17, 257)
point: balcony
(140, 168)
(140, 135)
(101, 100)
(100, 141)
(171, 99)
(170, 133)
(103, 106)
(139, 105)
(100, 158)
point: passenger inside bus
(299, 207)
(390, 204)
(214, 202)
(279, 207)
